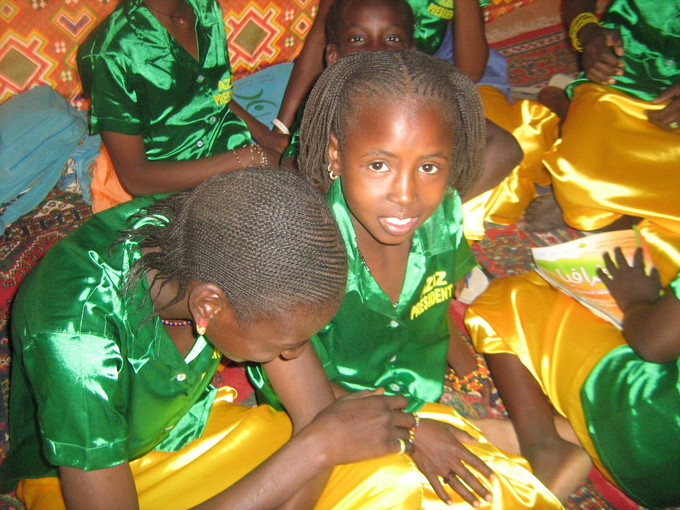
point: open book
(571, 267)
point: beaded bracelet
(474, 381)
(580, 21)
(240, 163)
(254, 148)
(412, 430)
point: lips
(398, 226)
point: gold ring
(674, 125)
(402, 445)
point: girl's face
(372, 25)
(394, 167)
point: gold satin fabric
(225, 453)
(542, 342)
(536, 129)
(611, 161)
(664, 248)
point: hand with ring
(440, 450)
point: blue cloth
(496, 72)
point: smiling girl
(394, 136)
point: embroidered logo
(435, 290)
(225, 88)
(442, 9)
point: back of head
(263, 235)
(369, 77)
(336, 14)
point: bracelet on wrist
(412, 430)
(256, 149)
(580, 21)
(280, 126)
(474, 381)
(238, 159)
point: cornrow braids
(363, 78)
(340, 7)
(263, 235)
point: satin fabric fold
(625, 411)
(536, 129)
(240, 438)
(611, 161)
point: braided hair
(263, 235)
(339, 7)
(363, 78)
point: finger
(475, 462)
(609, 264)
(666, 94)
(461, 489)
(654, 273)
(620, 258)
(402, 419)
(638, 259)
(439, 489)
(462, 436)
(396, 402)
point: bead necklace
(172, 322)
(174, 16)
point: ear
(206, 301)
(334, 153)
(331, 54)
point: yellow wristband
(577, 24)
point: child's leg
(559, 464)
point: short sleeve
(80, 397)
(109, 82)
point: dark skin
(140, 176)
(470, 47)
(602, 63)
(370, 420)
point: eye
(378, 166)
(429, 168)
(355, 39)
(393, 38)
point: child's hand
(439, 452)
(668, 118)
(629, 284)
(602, 49)
(362, 425)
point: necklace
(174, 16)
(172, 322)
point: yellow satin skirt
(236, 439)
(555, 337)
(611, 161)
(536, 129)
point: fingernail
(489, 498)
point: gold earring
(331, 174)
(201, 327)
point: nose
(404, 190)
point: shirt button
(200, 78)
(213, 119)
(394, 324)
(199, 143)
(181, 377)
(393, 359)
(394, 387)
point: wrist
(280, 127)
(472, 381)
(580, 27)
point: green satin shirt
(143, 82)
(431, 20)
(371, 343)
(632, 408)
(93, 384)
(650, 31)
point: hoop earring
(331, 174)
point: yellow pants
(611, 161)
(536, 129)
(237, 439)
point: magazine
(571, 267)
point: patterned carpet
(532, 59)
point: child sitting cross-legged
(394, 136)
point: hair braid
(406, 75)
(263, 235)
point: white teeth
(397, 221)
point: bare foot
(560, 465)
(543, 215)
